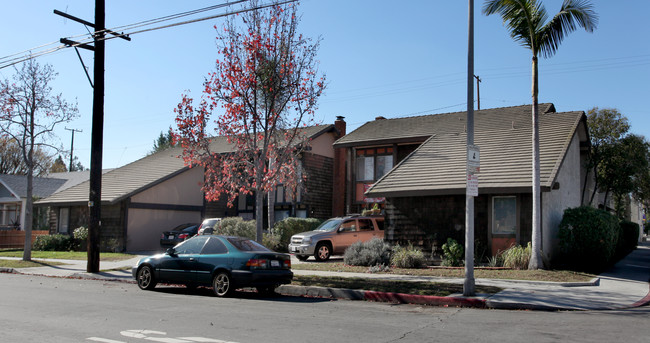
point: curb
(396, 298)
(7, 270)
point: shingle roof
(123, 182)
(421, 128)
(504, 137)
(42, 186)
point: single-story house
(415, 167)
(144, 198)
(13, 197)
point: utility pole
(478, 91)
(72, 146)
(97, 135)
(472, 158)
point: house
(13, 197)
(158, 192)
(415, 167)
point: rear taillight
(287, 263)
(162, 236)
(183, 236)
(257, 263)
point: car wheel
(145, 278)
(222, 284)
(323, 252)
(302, 257)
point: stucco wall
(557, 200)
(183, 189)
(322, 145)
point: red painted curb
(402, 298)
(644, 301)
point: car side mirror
(171, 252)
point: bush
(271, 241)
(236, 226)
(588, 238)
(628, 237)
(452, 253)
(516, 257)
(284, 229)
(80, 235)
(371, 253)
(57, 242)
(407, 257)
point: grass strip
(67, 255)
(394, 286)
(497, 273)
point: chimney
(380, 118)
(339, 124)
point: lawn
(66, 255)
(479, 273)
(406, 287)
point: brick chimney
(338, 189)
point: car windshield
(329, 225)
(243, 244)
(190, 229)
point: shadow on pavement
(238, 294)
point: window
(504, 215)
(214, 246)
(348, 226)
(191, 246)
(371, 165)
(366, 225)
(64, 219)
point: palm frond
(573, 14)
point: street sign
(472, 185)
(473, 159)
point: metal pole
(468, 285)
(95, 196)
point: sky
(380, 58)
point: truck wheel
(322, 252)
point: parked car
(335, 235)
(208, 225)
(223, 262)
(178, 234)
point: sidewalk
(626, 285)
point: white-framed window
(64, 219)
(504, 215)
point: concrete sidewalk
(626, 285)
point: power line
(7, 61)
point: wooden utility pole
(72, 146)
(97, 135)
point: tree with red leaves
(267, 84)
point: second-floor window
(371, 165)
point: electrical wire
(11, 60)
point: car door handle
(192, 259)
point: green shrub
(407, 257)
(57, 242)
(588, 238)
(80, 235)
(284, 229)
(271, 241)
(371, 253)
(452, 253)
(628, 237)
(517, 257)
(236, 226)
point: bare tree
(29, 112)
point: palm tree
(527, 22)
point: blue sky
(388, 58)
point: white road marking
(103, 340)
(144, 334)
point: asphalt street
(46, 309)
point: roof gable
(438, 166)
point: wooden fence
(14, 239)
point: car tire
(323, 252)
(302, 257)
(222, 284)
(145, 278)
